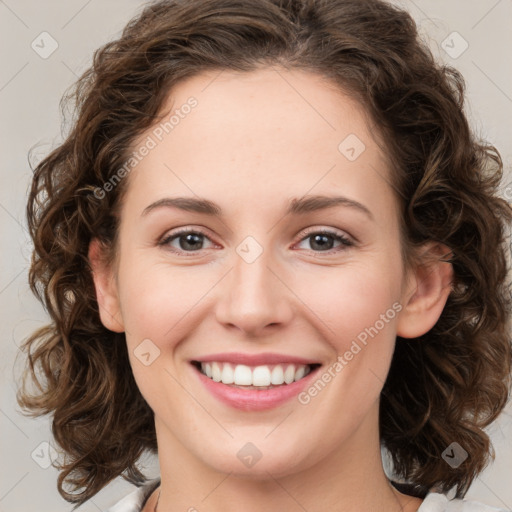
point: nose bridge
(252, 278)
(253, 297)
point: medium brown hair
(443, 387)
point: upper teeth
(242, 375)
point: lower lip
(253, 399)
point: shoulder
(435, 502)
(134, 501)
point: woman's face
(278, 274)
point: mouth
(260, 377)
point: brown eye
(184, 241)
(324, 241)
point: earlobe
(106, 288)
(427, 291)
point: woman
(271, 246)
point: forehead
(271, 104)
(265, 132)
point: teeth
(216, 373)
(228, 375)
(259, 376)
(277, 377)
(289, 374)
(242, 375)
(300, 372)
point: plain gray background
(30, 89)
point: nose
(254, 297)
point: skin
(255, 141)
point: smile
(254, 377)
(251, 382)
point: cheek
(157, 305)
(356, 302)
(156, 299)
(360, 308)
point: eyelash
(344, 241)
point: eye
(324, 241)
(192, 241)
(184, 240)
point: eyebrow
(296, 206)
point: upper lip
(254, 359)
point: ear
(106, 288)
(428, 286)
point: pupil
(322, 241)
(190, 240)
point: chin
(249, 461)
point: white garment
(433, 502)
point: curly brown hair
(446, 385)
